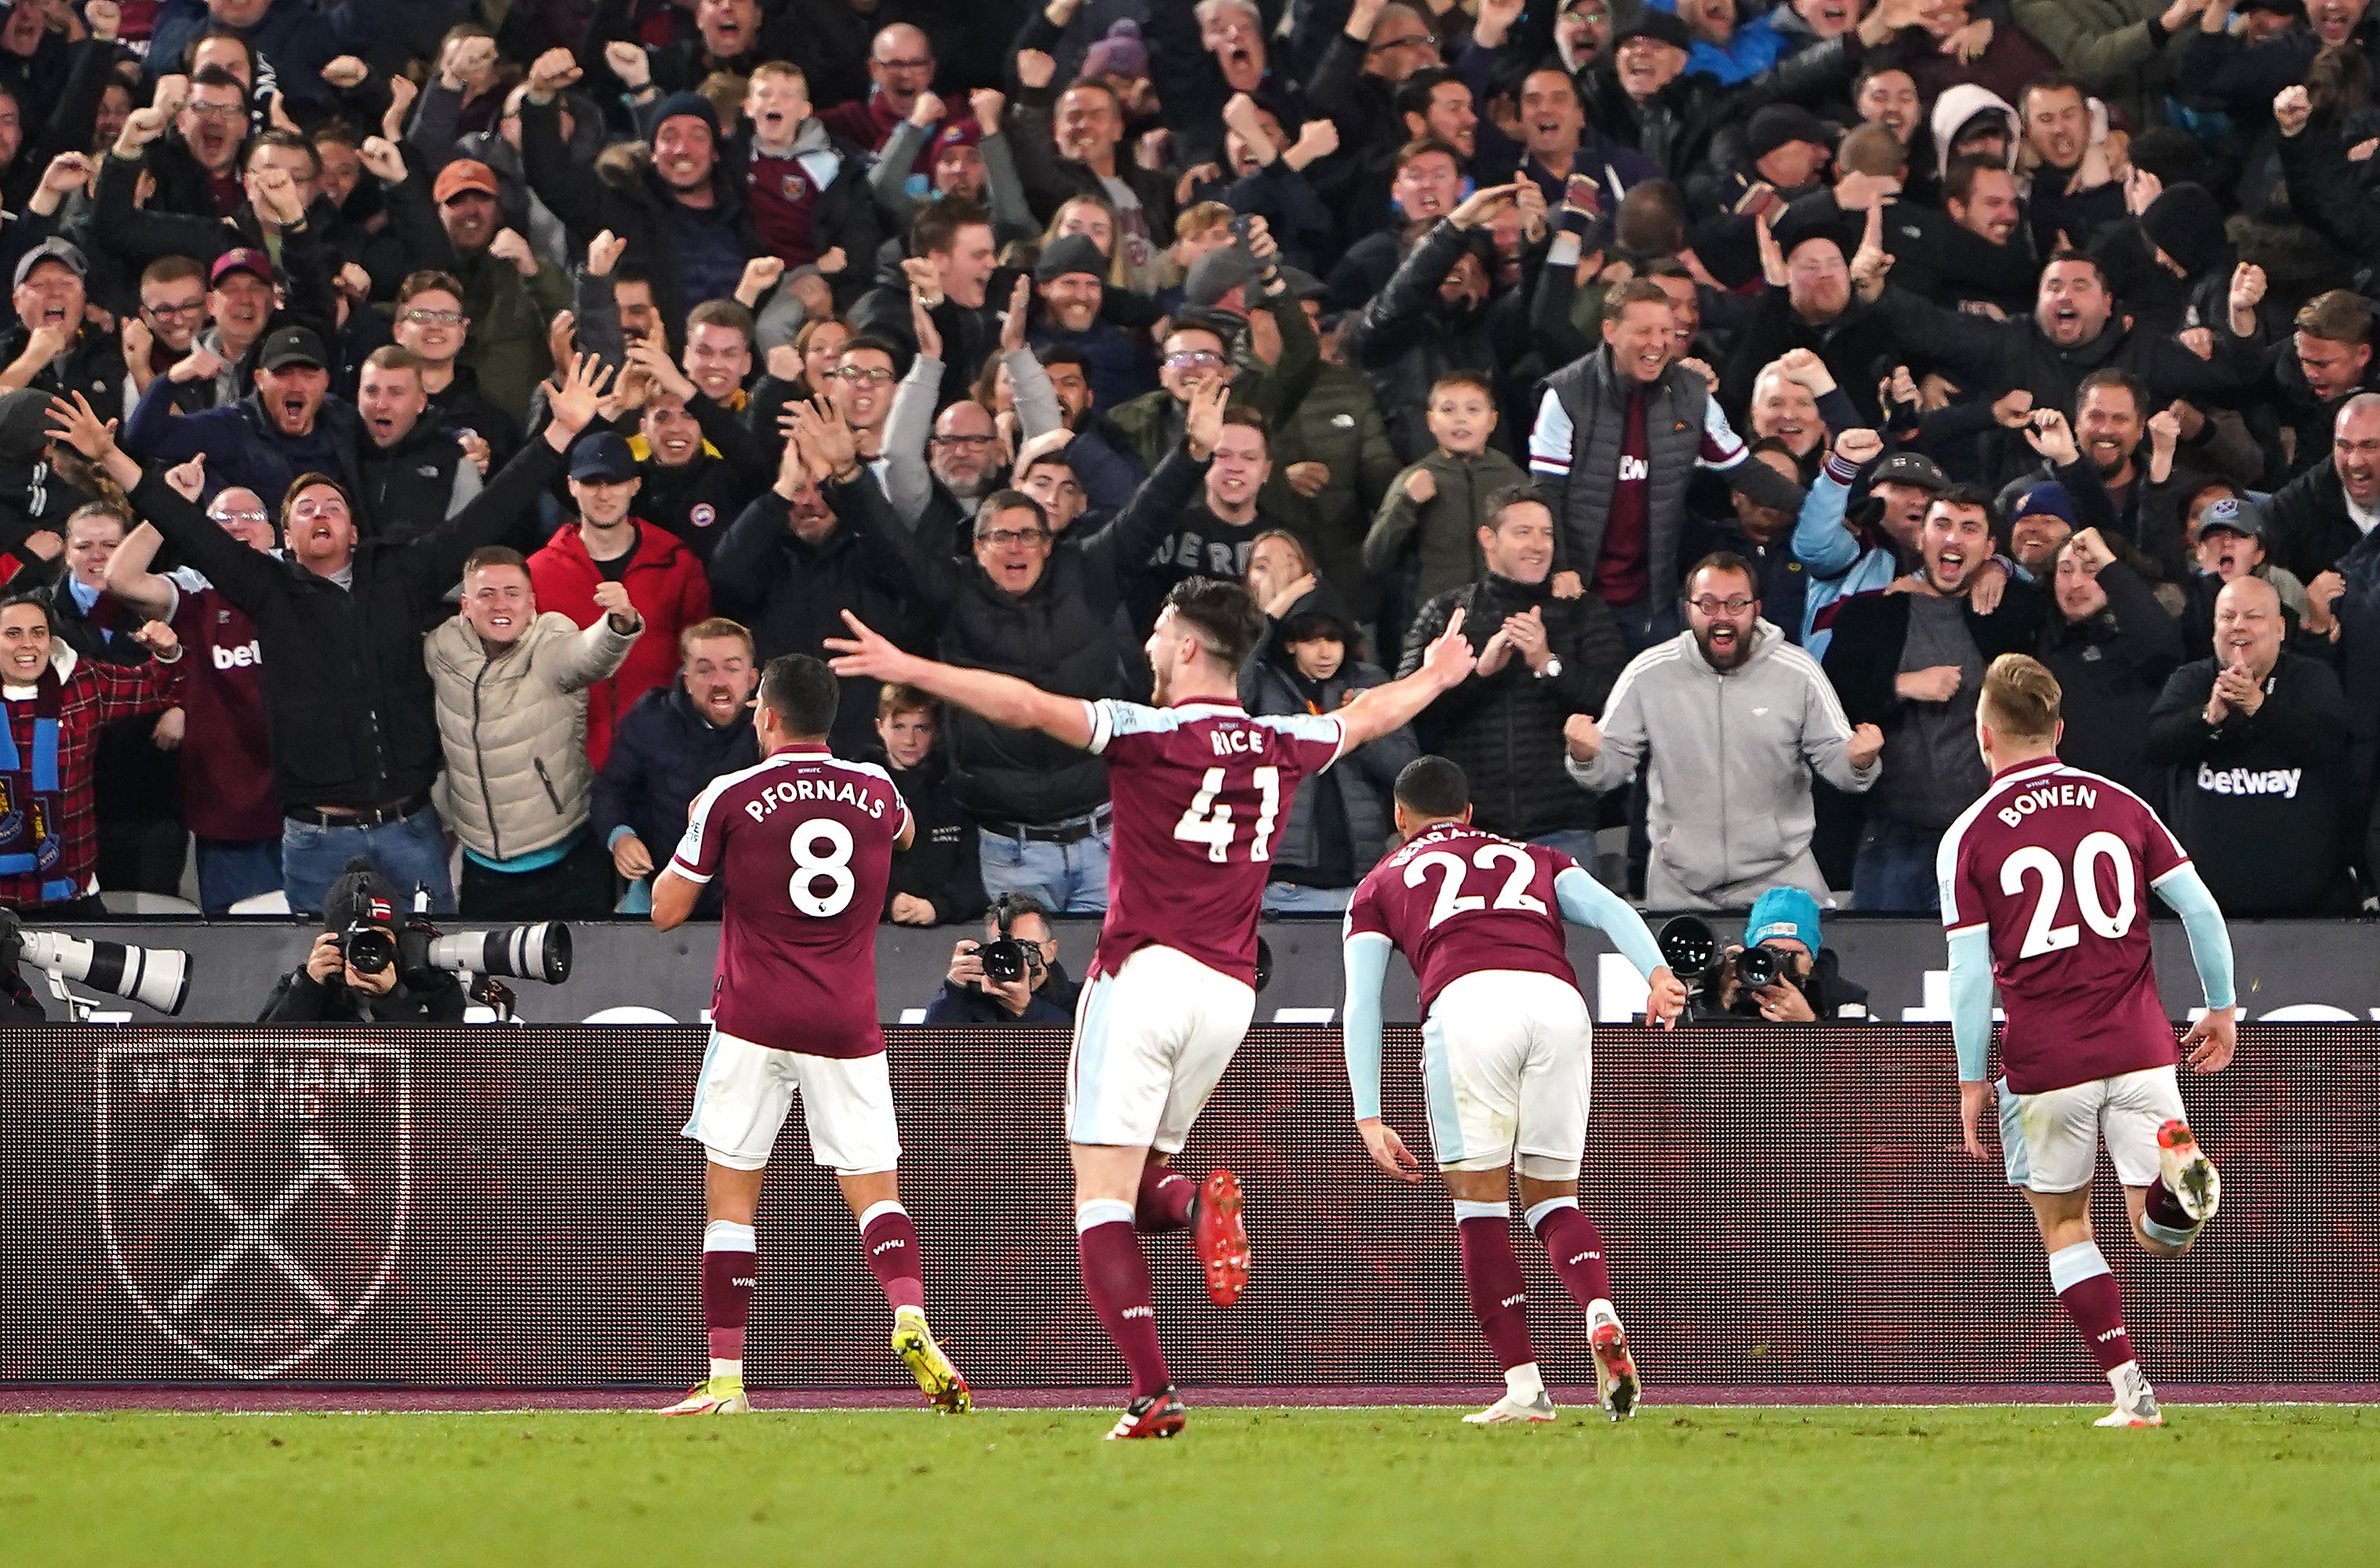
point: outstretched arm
(1445, 664)
(1003, 699)
(1586, 902)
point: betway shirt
(226, 773)
(1200, 789)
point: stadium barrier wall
(627, 973)
(514, 1209)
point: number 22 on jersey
(1212, 822)
(1452, 900)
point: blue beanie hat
(1783, 911)
(2049, 497)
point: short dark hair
(1421, 146)
(209, 35)
(938, 224)
(1959, 180)
(38, 600)
(1969, 498)
(1009, 908)
(2050, 82)
(1433, 786)
(721, 313)
(1062, 354)
(802, 692)
(1725, 560)
(2113, 376)
(998, 502)
(428, 279)
(1224, 616)
(175, 269)
(215, 75)
(1496, 503)
(870, 340)
(1414, 97)
(1476, 380)
(2086, 259)
(316, 479)
(288, 141)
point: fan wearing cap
(289, 425)
(2228, 538)
(1811, 305)
(51, 346)
(1069, 280)
(611, 544)
(1645, 99)
(1844, 560)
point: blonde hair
(2021, 697)
(1118, 264)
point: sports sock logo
(2115, 1333)
(1519, 1300)
(1138, 1312)
(883, 1247)
(1578, 1258)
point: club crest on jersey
(253, 1196)
(793, 186)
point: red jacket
(666, 584)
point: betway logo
(244, 657)
(2281, 781)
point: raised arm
(1445, 664)
(130, 581)
(1002, 699)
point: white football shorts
(1506, 1058)
(2050, 1141)
(1150, 1043)
(746, 1091)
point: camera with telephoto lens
(1759, 967)
(1692, 951)
(540, 951)
(157, 978)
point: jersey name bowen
(2048, 795)
(792, 791)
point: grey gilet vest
(1591, 395)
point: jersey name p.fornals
(1200, 789)
(2059, 866)
(805, 843)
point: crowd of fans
(422, 418)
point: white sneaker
(712, 1396)
(1513, 1408)
(2136, 1404)
(2188, 1172)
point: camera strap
(32, 804)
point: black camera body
(1694, 954)
(1005, 959)
(368, 949)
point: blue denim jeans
(1294, 898)
(233, 869)
(406, 852)
(1578, 843)
(1066, 878)
(1894, 874)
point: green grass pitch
(1930, 1486)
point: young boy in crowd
(1435, 509)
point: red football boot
(1222, 1237)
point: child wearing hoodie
(1429, 524)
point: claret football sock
(1115, 1277)
(1575, 1247)
(1499, 1293)
(2087, 1291)
(729, 1259)
(1166, 1199)
(2165, 1218)
(890, 1243)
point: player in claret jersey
(1504, 1058)
(803, 844)
(2045, 884)
(1199, 789)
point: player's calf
(1500, 1299)
(1167, 1199)
(2087, 1291)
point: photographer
(1039, 994)
(360, 911)
(1809, 986)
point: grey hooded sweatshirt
(1732, 754)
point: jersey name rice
(1456, 899)
(1200, 789)
(804, 843)
(2057, 864)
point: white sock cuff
(1102, 1212)
(1464, 1209)
(2069, 1266)
(876, 1212)
(1537, 1211)
(726, 1236)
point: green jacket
(1442, 534)
(506, 346)
(1153, 420)
(2108, 46)
(1339, 426)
